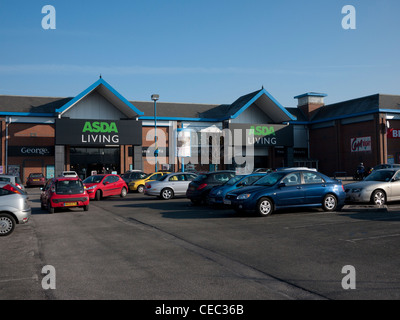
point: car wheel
(7, 224)
(123, 192)
(86, 208)
(265, 207)
(378, 197)
(140, 189)
(167, 193)
(50, 209)
(329, 203)
(98, 195)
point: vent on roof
(310, 102)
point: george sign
(361, 144)
(261, 135)
(30, 151)
(98, 132)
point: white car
(69, 174)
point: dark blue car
(285, 189)
(217, 194)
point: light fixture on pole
(155, 97)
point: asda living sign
(98, 132)
(265, 134)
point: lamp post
(155, 97)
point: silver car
(170, 185)
(8, 178)
(379, 187)
(14, 208)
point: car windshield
(93, 179)
(36, 175)
(200, 177)
(381, 175)
(69, 187)
(270, 179)
(165, 176)
(233, 180)
(147, 175)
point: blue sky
(201, 51)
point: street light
(155, 97)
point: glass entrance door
(86, 161)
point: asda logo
(262, 130)
(100, 132)
(103, 127)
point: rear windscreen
(69, 187)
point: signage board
(80, 132)
(361, 144)
(262, 135)
(30, 151)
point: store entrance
(86, 161)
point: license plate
(36, 179)
(227, 201)
(70, 204)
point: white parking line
(34, 277)
(373, 238)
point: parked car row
(64, 192)
(260, 192)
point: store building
(342, 135)
(101, 131)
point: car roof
(66, 178)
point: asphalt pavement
(141, 248)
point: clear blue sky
(209, 51)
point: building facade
(101, 131)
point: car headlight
(90, 188)
(243, 196)
(357, 190)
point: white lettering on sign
(361, 144)
(393, 133)
(41, 151)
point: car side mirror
(241, 184)
(281, 185)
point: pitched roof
(48, 106)
(109, 93)
(31, 105)
(356, 107)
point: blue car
(285, 189)
(217, 194)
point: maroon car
(36, 179)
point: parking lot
(140, 247)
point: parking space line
(372, 238)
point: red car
(104, 185)
(36, 179)
(64, 193)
